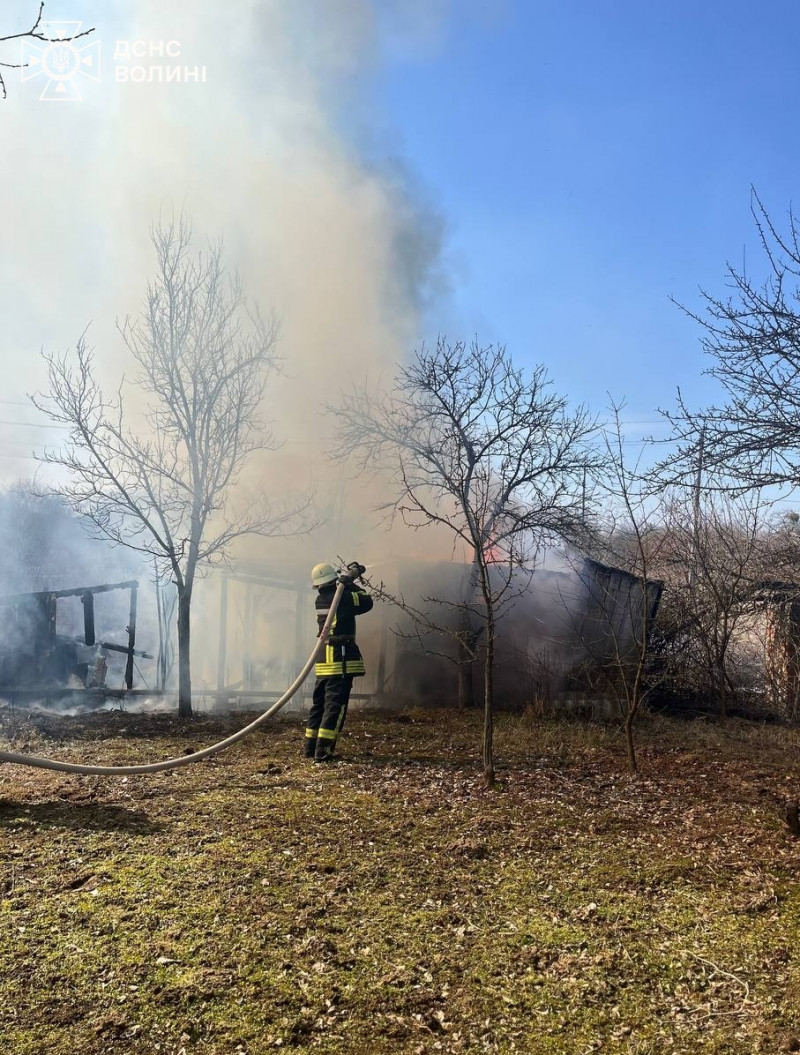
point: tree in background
(752, 438)
(494, 457)
(630, 535)
(166, 490)
(728, 572)
(718, 557)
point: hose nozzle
(354, 571)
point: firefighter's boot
(324, 750)
(311, 743)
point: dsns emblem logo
(62, 61)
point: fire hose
(206, 752)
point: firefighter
(342, 660)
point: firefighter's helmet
(321, 574)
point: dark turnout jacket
(342, 655)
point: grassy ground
(256, 903)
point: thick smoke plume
(257, 155)
(263, 154)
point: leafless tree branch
(168, 490)
(32, 34)
(752, 438)
(485, 451)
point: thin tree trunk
(184, 656)
(488, 706)
(488, 674)
(722, 687)
(466, 685)
(161, 662)
(466, 688)
(633, 696)
(722, 691)
(629, 744)
(634, 702)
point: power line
(32, 424)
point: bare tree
(166, 490)
(633, 540)
(724, 565)
(752, 438)
(718, 557)
(479, 449)
(34, 33)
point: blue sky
(590, 160)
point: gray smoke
(344, 248)
(268, 153)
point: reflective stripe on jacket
(342, 654)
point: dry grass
(389, 904)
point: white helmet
(322, 574)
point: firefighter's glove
(354, 571)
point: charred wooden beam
(46, 603)
(87, 599)
(131, 636)
(126, 650)
(15, 598)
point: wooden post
(47, 613)
(88, 618)
(223, 633)
(131, 637)
(247, 664)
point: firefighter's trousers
(327, 714)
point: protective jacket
(342, 655)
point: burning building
(554, 623)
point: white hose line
(196, 756)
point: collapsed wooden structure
(35, 658)
(568, 624)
